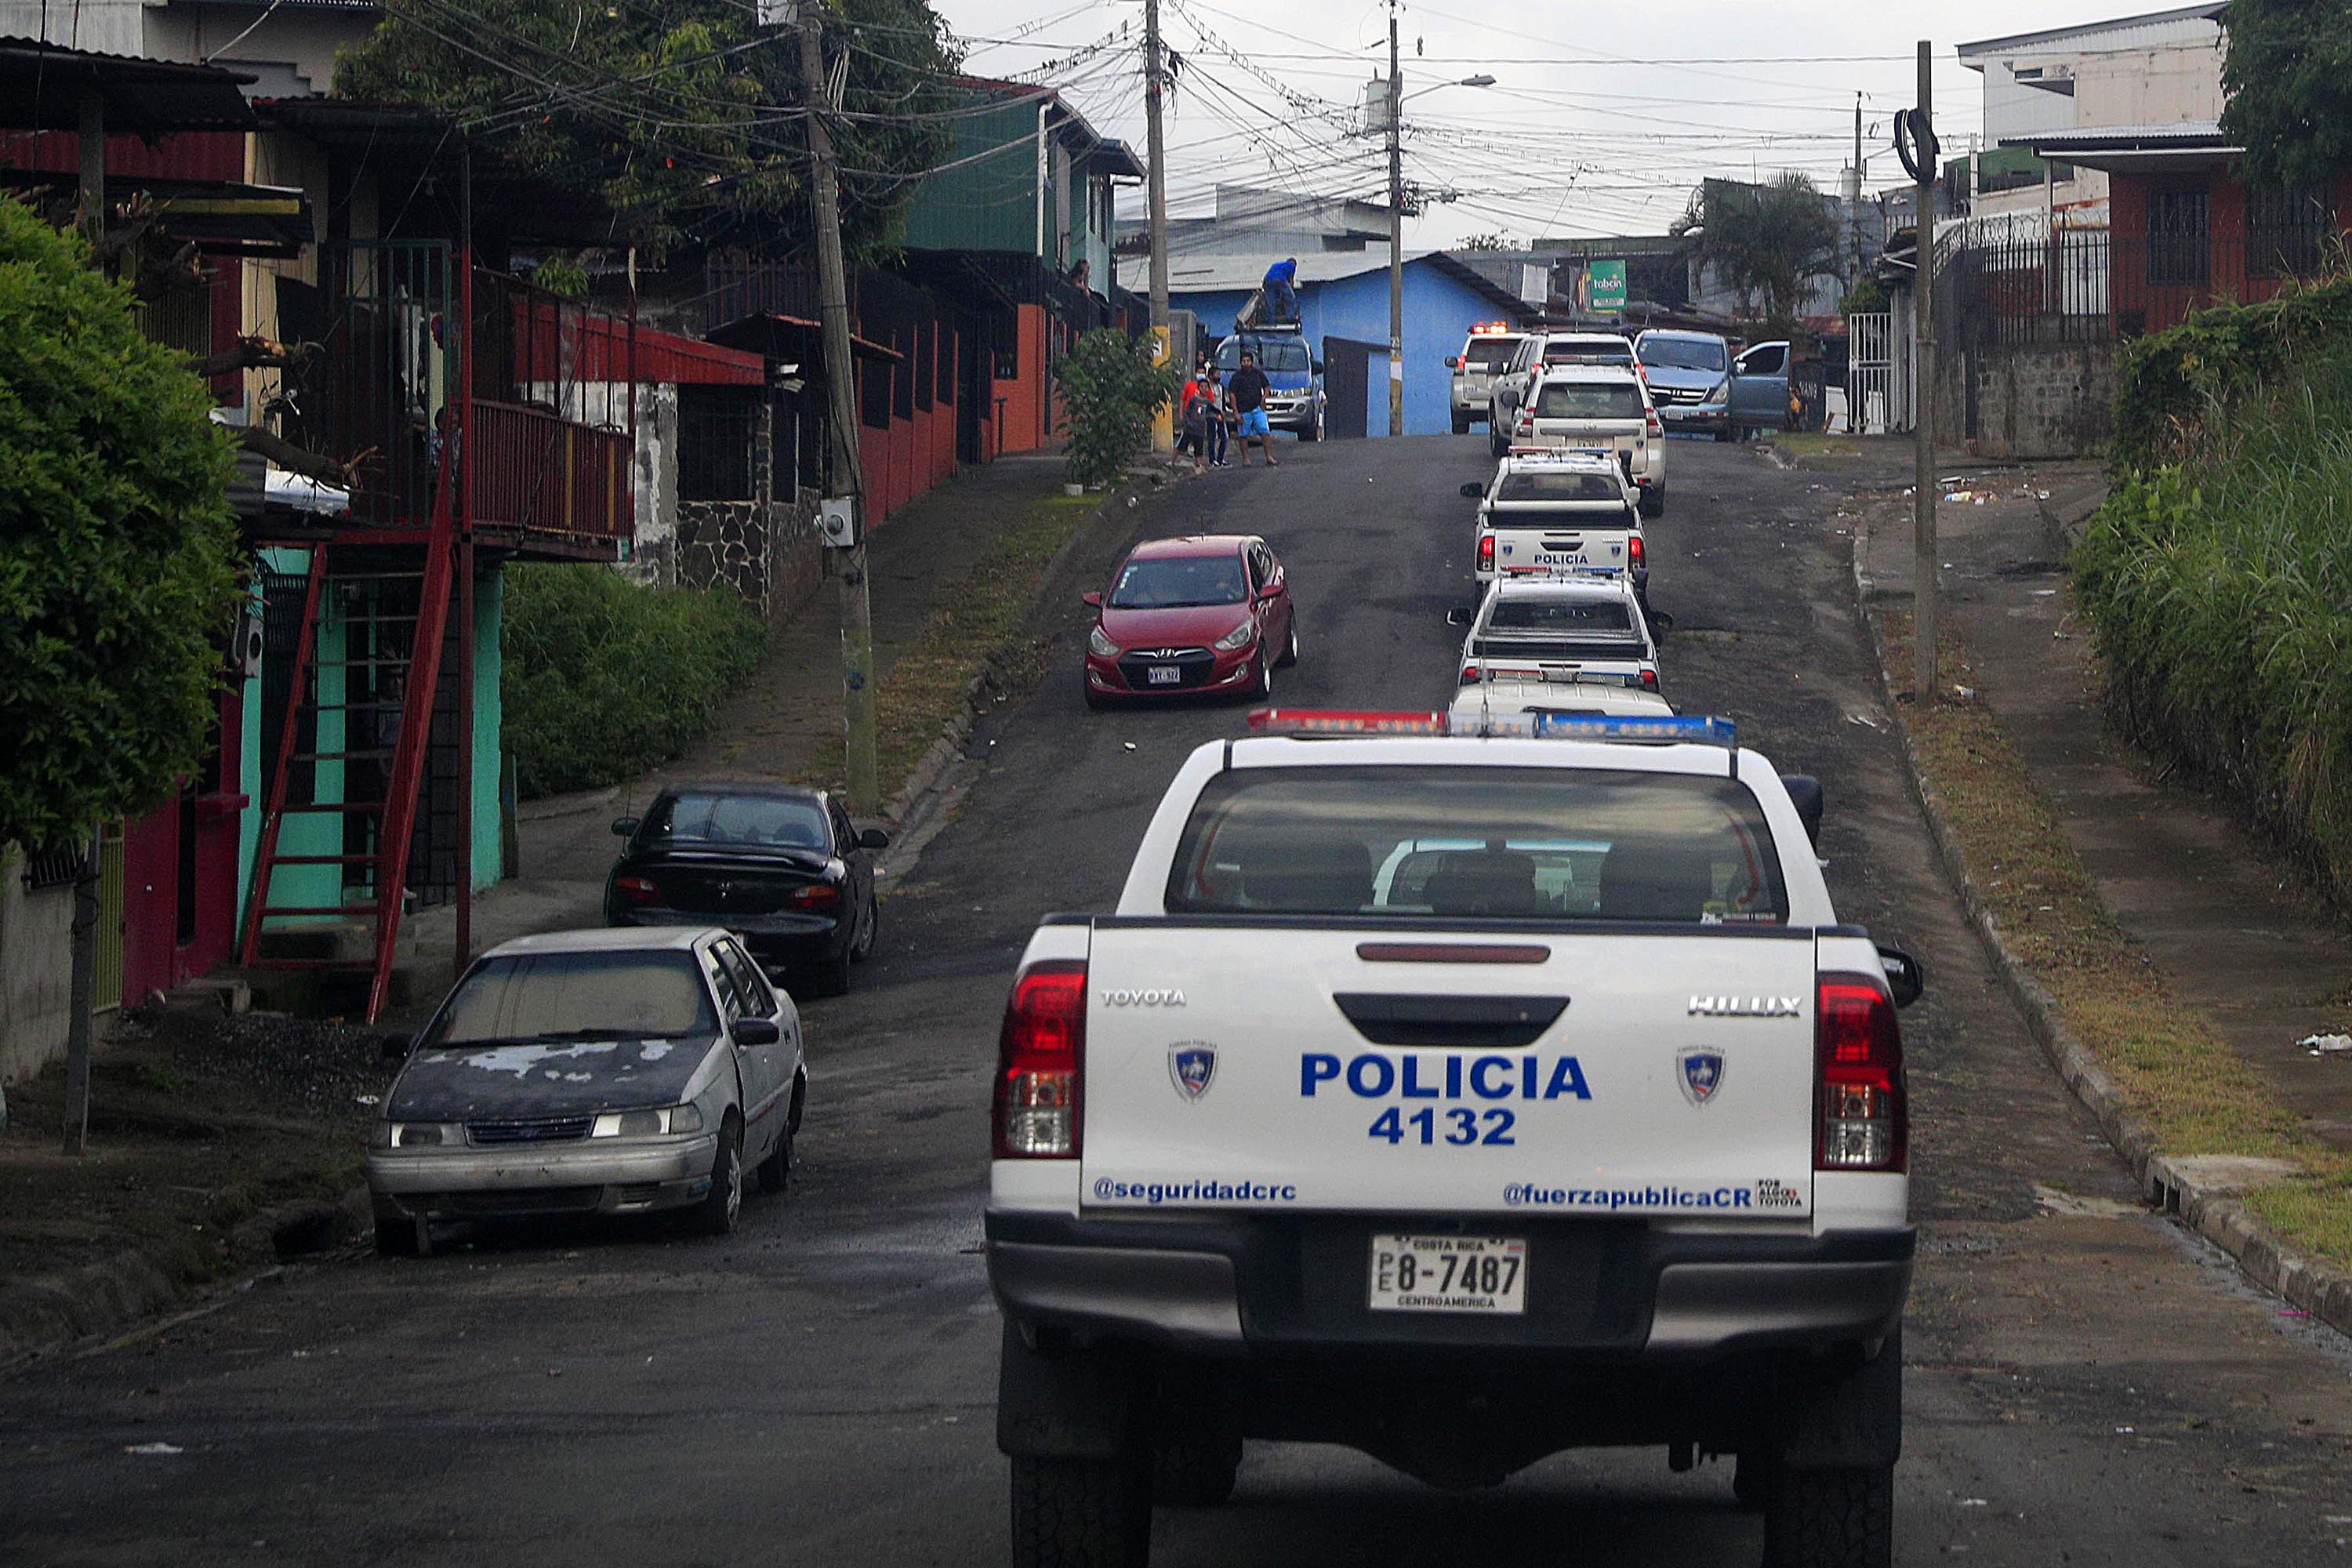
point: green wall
(990, 203)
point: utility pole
(1396, 233)
(845, 482)
(1854, 210)
(1924, 565)
(1163, 428)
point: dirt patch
(197, 1124)
(2175, 1070)
(981, 625)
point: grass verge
(2176, 1072)
(1815, 444)
(981, 625)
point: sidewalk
(2234, 933)
(785, 723)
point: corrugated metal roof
(2201, 135)
(41, 86)
(1207, 274)
(2091, 29)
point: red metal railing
(534, 470)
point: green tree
(2288, 74)
(1767, 241)
(119, 568)
(686, 117)
(1487, 242)
(1110, 387)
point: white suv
(1487, 353)
(1598, 409)
(1541, 352)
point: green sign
(1606, 281)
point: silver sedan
(591, 1072)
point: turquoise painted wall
(489, 614)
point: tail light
(1650, 422)
(1863, 1123)
(1486, 553)
(1634, 550)
(1469, 675)
(815, 898)
(1039, 1055)
(636, 890)
(1649, 680)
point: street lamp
(1396, 218)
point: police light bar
(1685, 727)
(1488, 329)
(1347, 721)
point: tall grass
(2221, 585)
(603, 680)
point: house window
(2286, 231)
(718, 436)
(2181, 235)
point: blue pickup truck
(1775, 385)
(1293, 399)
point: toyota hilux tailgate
(1241, 1063)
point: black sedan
(778, 865)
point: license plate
(1164, 675)
(1449, 1274)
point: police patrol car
(1548, 512)
(1512, 1086)
(1565, 627)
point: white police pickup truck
(1460, 1099)
(1544, 514)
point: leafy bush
(1109, 388)
(2221, 584)
(118, 550)
(603, 680)
(2177, 383)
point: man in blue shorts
(1247, 389)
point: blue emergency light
(1693, 728)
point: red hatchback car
(1211, 613)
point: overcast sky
(1593, 126)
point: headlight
(412, 1135)
(1104, 647)
(1238, 638)
(647, 1123)
(1717, 394)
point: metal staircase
(371, 778)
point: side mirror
(755, 1032)
(1660, 624)
(1319, 367)
(1452, 361)
(1805, 794)
(1458, 616)
(1091, 600)
(873, 838)
(1905, 980)
(1474, 491)
(395, 1048)
(623, 826)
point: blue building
(1343, 307)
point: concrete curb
(40, 1318)
(2309, 1284)
(928, 782)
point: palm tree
(1767, 241)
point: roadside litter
(151, 1450)
(2326, 1045)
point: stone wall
(766, 548)
(2028, 400)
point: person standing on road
(1218, 418)
(1248, 388)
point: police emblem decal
(1191, 1065)
(1699, 1070)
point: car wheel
(1196, 1474)
(1654, 501)
(1841, 1518)
(399, 1236)
(1726, 433)
(1081, 1513)
(775, 1172)
(863, 949)
(1461, 425)
(1290, 653)
(1261, 688)
(722, 1205)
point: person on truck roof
(1280, 291)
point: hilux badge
(1191, 1064)
(1700, 1069)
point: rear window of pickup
(1533, 843)
(1589, 400)
(1560, 487)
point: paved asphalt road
(2087, 1386)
